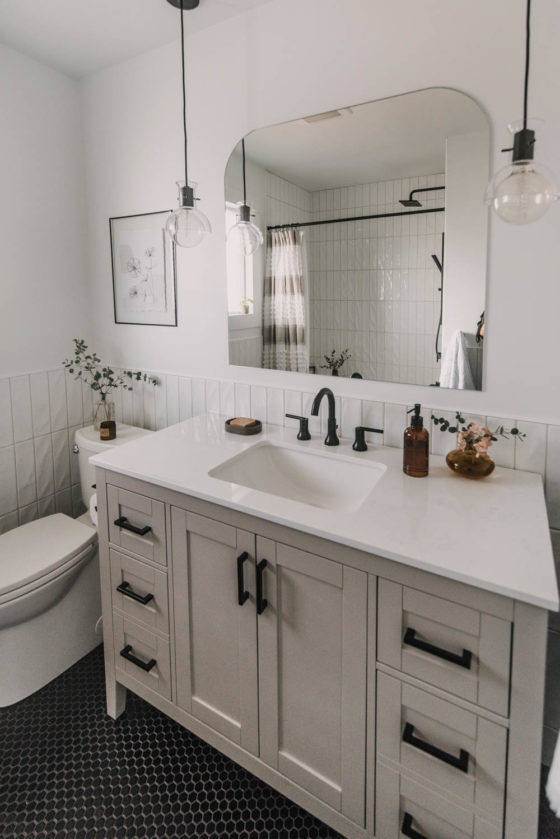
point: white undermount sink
(323, 479)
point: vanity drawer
(454, 647)
(458, 750)
(405, 807)
(141, 527)
(139, 591)
(142, 655)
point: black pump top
(417, 421)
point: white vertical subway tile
(46, 506)
(21, 408)
(87, 404)
(552, 481)
(8, 522)
(242, 400)
(395, 424)
(258, 402)
(57, 399)
(292, 405)
(6, 430)
(172, 389)
(138, 405)
(186, 394)
(442, 442)
(314, 422)
(28, 513)
(275, 405)
(212, 396)
(61, 459)
(160, 401)
(503, 450)
(63, 502)
(40, 409)
(198, 397)
(44, 468)
(148, 395)
(127, 407)
(25, 473)
(8, 486)
(373, 416)
(351, 417)
(74, 456)
(73, 402)
(530, 452)
(227, 398)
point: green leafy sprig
(334, 361)
(88, 367)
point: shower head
(413, 202)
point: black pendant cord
(527, 49)
(184, 93)
(244, 181)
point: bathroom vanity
(377, 655)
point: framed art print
(144, 270)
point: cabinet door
(215, 636)
(312, 674)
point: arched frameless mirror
(375, 239)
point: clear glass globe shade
(187, 226)
(245, 237)
(522, 192)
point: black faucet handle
(360, 444)
(303, 433)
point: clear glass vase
(104, 409)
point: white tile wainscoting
(40, 412)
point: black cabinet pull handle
(126, 525)
(262, 602)
(242, 595)
(144, 665)
(125, 589)
(461, 762)
(463, 660)
(408, 830)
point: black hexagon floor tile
(70, 772)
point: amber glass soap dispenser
(416, 446)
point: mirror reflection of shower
(376, 192)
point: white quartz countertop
(491, 533)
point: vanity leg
(116, 698)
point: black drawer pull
(461, 762)
(408, 830)
(463, 660)
(125, 589)
(262, 602)
(242, 595)
(144, 665)
(126, 525)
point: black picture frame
(144, 270)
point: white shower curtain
(285, 345)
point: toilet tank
(87, 443)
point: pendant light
(244, 234)
(522, 192)
(187, 225)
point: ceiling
(384, 140)
(79, 37)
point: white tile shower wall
(374, 287)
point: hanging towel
(553, 781)
(93, 508)
(455, 366)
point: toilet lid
(33, 550)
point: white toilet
(49, 586)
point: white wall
(43, 264)
(365, 51)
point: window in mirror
(401, 286)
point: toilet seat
(35, 553)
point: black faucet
(331, 439)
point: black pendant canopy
(186, 4)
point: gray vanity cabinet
(302, 705)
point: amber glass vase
(465, 462)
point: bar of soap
(243, 422)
